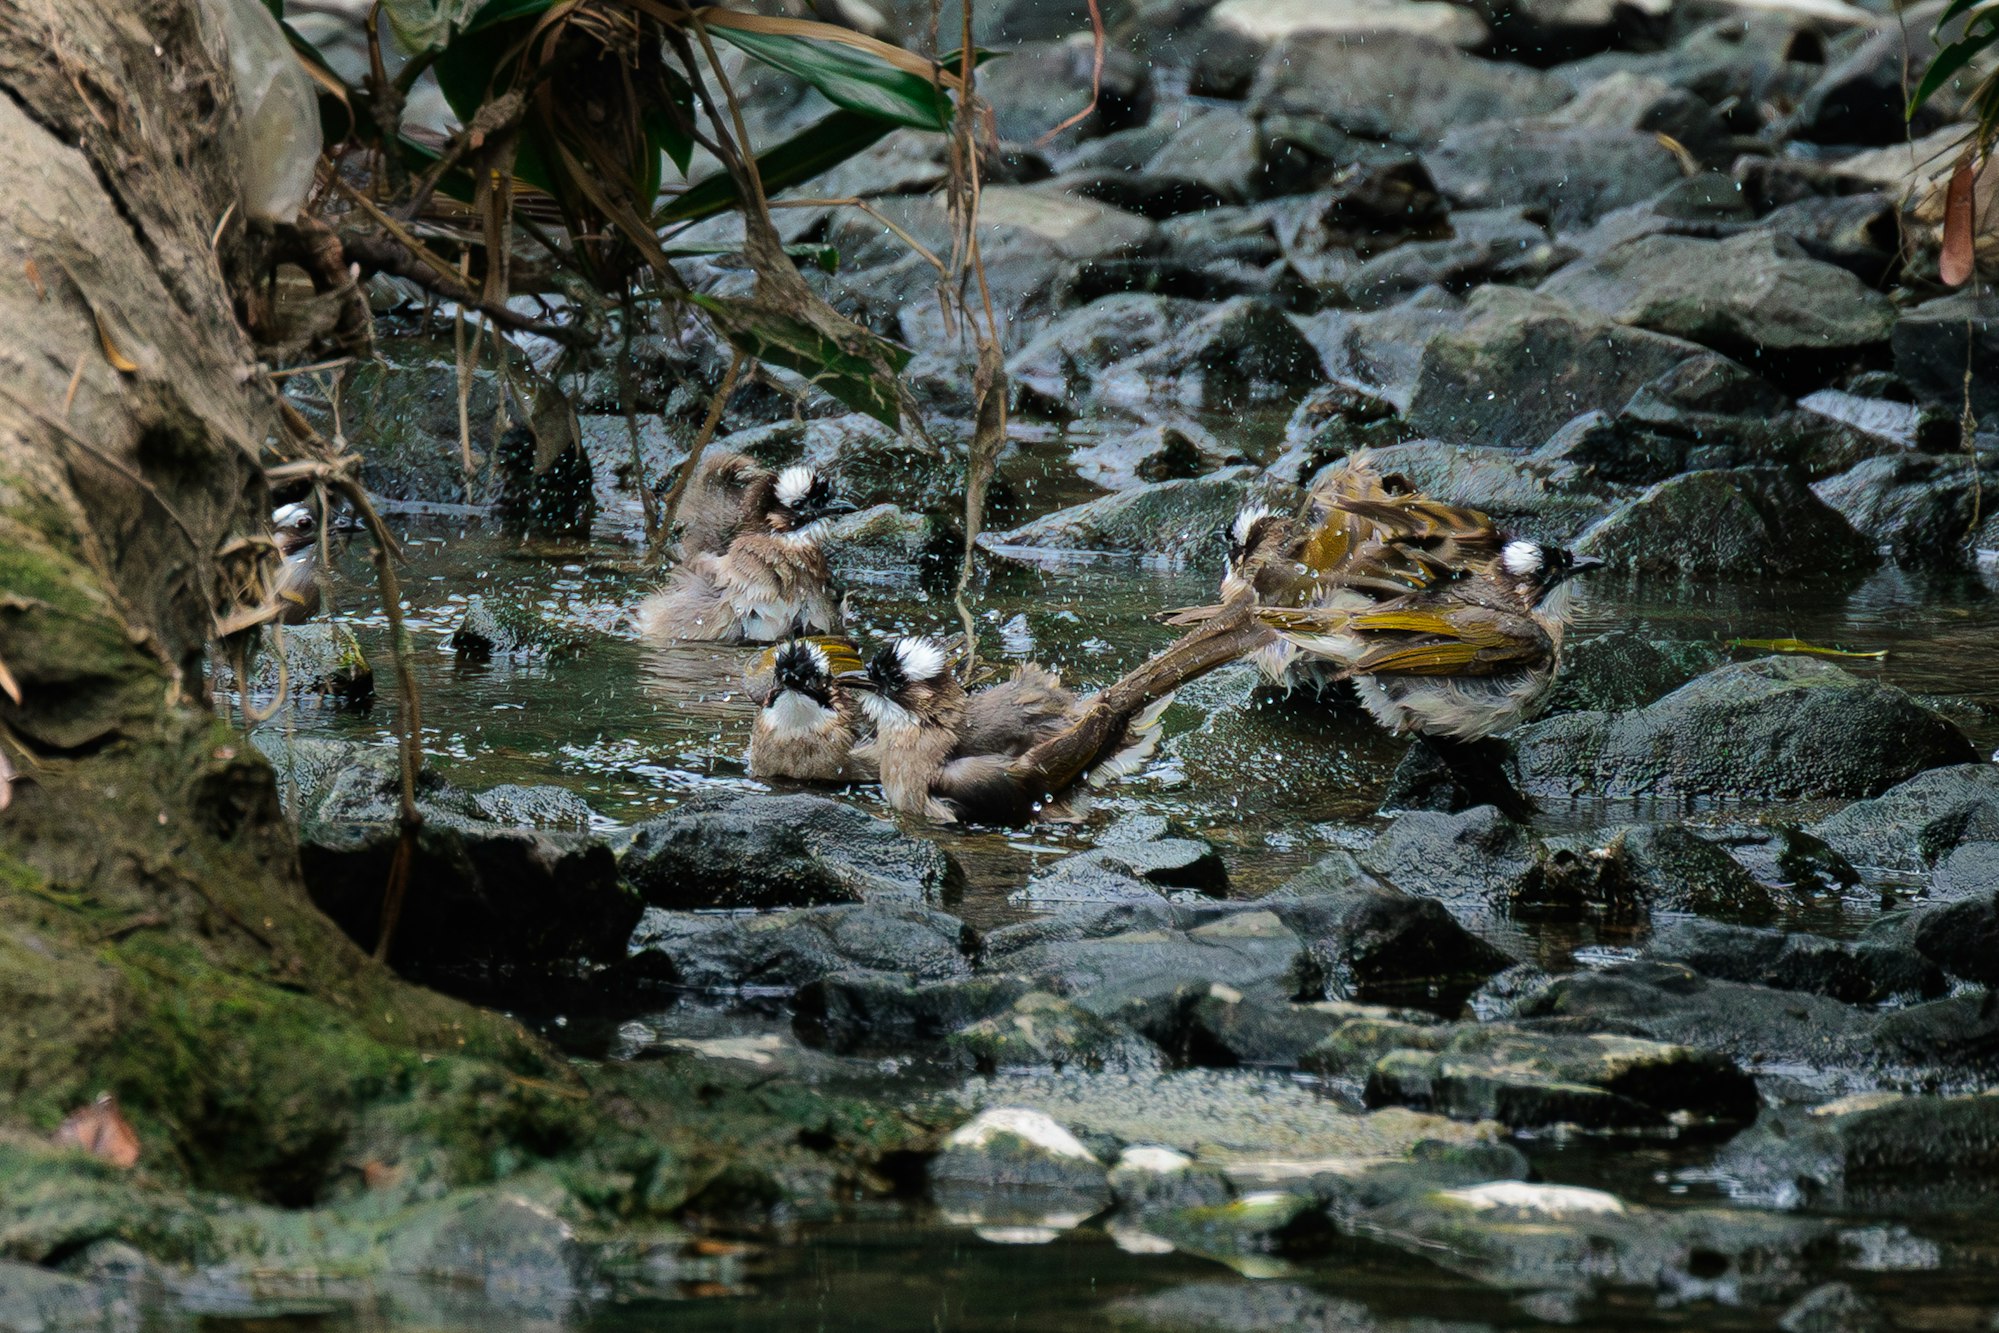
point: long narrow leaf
(782, 340)
(806, 154)
(500, 11)
(1959, 255)
(856, 82)
(1946, 66)
(1956, 7)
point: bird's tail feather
(1141, 740)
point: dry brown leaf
(1958, 233)
(101, 1130)
(119, 361)
(379, 1175)
(8, 685)
(35, 279)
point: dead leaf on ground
(101, 1130)
(1955, 265)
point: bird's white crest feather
(291, 515)
(921, 659)
(1247, 519)
(795, 483)
(1521, 558)
(818, 655)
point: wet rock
(1759, 298)
(1258, 1127)
(1531, 1080)
(1931, 351)
(1042, 1031)
(1245, 1231)
(1575, 174)
(1349, 1052)
(1040, 84)
(1960, 937)
(1779, 728)
(37, 1300)
(1740, 60)
(1143, 978)
(499, 631)
(1478, 858)
(1038, 241)
(1059, 367)
(786, 950)
(1228, 1029)
(1827, 1046)
(1147, 1180)
(1371, 207)
(1015, 1151)
(1180, 520)
(1915, 825)
(1508, 245)
(1524, 364)
(1663, 868)
(535, 807)
(1334, 420)
(1127, 870)
(1247, 1307)
(1857, 232)
(1834, 1307)
(871, 1011)
(1740, 524)
(1395, 86)
(867, 462)
(400, 413)
(1873, 1152)
(1861, 100)
(1918, 507)
(490, 897)
(1082, 921)
(515, 1250)
(1270, 21)
(1539, 1237)
(551, 497)
(318, 661)
(1859, 972)
(1969, 871)
(1628, 100)
(1622, 669)
(1239, 354)
(1124, 455)
(1382, 350)
(1372, 940)
(740, 849)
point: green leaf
(1800, 646)
(661, 127)
(1948, 62)
(850, 79)
(500, 11)
(277, 8)
(863, 380)
(806, 154)
(1954, 8)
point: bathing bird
(295, 529)
(1024, 749)
(808, 724)
(769, 582)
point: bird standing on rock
(808, 724)
(1012, 753)
(769, 582)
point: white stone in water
(1029, 1126)
(1154, 1161)
(1548, 1200)
(1133, 1240)
(277, 108)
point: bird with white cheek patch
(769, 583)
(1024, 749)
(807, 723)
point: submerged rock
(1854, 972)
(786, 950)
(1913, 826)
(1779, 728)
(880, 1011)
(741, 849)
(1873, 1152)
(1920, 508)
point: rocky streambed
(1680, 1016)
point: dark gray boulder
(888, 1011)
(1238, 354)
(783, 951)
(1649, 870)
(1573, 173)
(1172, 519)
(1913, 826)
(1537, 1079)
(1477, 857)
(1875, 1152)
(1059, 366)
(747, 849)
(1389, 85)
(1922, 508)
(1043, 1031)
(1622, 669)
(1126, 869)
(1523, 364)
(1935, 341)
(1742, 524)
(1778, 728)
(1853, 972)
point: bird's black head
(800, 497)
(1251, 530)
(906, 680)
(802, 668)
(1536, 570)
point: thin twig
(1096, 74)
(671, 508)
(628, 399)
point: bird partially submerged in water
(808, 724)
(1024, 749)
(770, 581)
(295, 528)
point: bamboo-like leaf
(824, 257)
(500, 11)
(806, 154)
(1946, 65)
(1956, 7)
(1959, 240)
(848, 374)
(857, 82)
(1799, 646)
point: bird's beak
(831, 509)
(1583, 564)
(857, 680)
